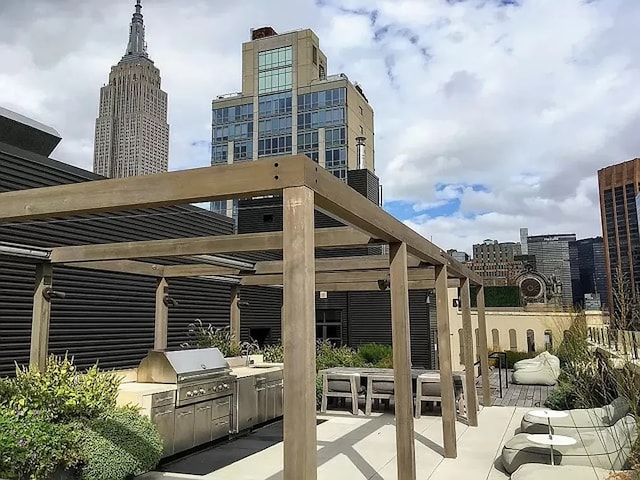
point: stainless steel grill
(199, 374)
(204, 391)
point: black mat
(220, 455)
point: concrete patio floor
(359, 447)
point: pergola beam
(121, 266)
(337, 264)
(373, 286)
(222, 182)
(351, 277)
(349, 206)
(199, 270)
(218, 244)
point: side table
(551, 440)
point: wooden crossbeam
(222, 182)
(121, 266)
(181, 247)
(414, 274)
(374, 287)
(199, 270)
(336, 264)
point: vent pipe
(360, 152)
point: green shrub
(62, 391)
(376, 354)
(118, 446)
(32, 446)
(513, 357)
(328, 356)
(318, 391)
(273, 353)
(562, 397)
(201, 336)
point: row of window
(232, 132)
(242, 150)
(275, 80)
(322, 118)
(277, 57)
(326, 98)
(232, 114)
(274, 104)
(333, 137)
(274, 126)
(274, 146)
(335, 158)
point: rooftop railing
(623, 343)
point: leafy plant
(273, 353)
(562, 397)
(63, 392)
(376, 354)
(201, 336)
(33, 447)
(318, 391)
(328, 356)
(118, 445)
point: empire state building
(132, 133)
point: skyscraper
(288, 105)
(619, 186)
(553, 259)
(132, 133)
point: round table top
(545, 439)
(547, 413)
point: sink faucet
(247, 349)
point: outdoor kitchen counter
(242, 372)
(141, 393)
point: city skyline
(472, 137)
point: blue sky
(507, 95)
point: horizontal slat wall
(260, 311)
(105, 317)
(370, 321)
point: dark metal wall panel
(370, 321)
(105, 317)
(262, 310)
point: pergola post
(444, 357)
(41, 317)
(467, 333)
(298, 332)
(234, 314)
(162, 315)
(405, 446)
(484, 349)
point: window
(335, 158)
(240, 130)
(495, 338)
(335, 137)
(322, 99)
(275, 80)
(329, 326)
(513, 340)
(322, 74)
(274, 146)
(308, 140)
(219, 153)
(232, 114)
(275, 104)
(531, 341)
(243, 150)
(361, 130)
(313, 155)
(322, 118)
(274, 126)
(314, 55)
(275, 58)
(361, 111)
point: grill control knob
(225, 386)
(189, 394)
(202, 391)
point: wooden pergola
(412, 263)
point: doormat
(220, 455)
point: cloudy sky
(491, 115)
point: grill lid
(181, 365)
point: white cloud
(527, 101)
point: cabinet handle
(201, 409)
(162, 414)
(182, 414)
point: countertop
(242, 372)
(146, 388)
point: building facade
(619, 186)
(591, 272)
(494, 251)
(553, 260)
(132, 133)
(289, 105)
(459, 256)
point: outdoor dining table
(386, 372)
